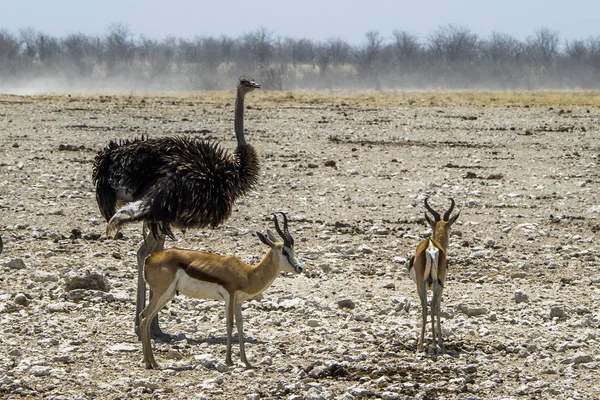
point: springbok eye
(285, 253)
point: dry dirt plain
(520, 307)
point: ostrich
(170, 182)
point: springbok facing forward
(209, 276)
(428, 268)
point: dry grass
(311, 98)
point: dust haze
(450, 57)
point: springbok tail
(432, 257)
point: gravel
(520, 306)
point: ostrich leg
(150, 244)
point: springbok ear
(430, 221)
(264, 239)
(272, 236)
(453, 218)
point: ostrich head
(247, 84)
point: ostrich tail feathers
(158, 229)
(106, 197)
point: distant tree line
(450, 57)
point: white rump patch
(432, 255)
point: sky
(318, 20)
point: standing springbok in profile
(428, 268)
(209, 276)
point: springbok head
(437, 220)
(283, 250)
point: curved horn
(447, 214)
(277, 228)
(285, 224)
(288, 241)
(435, 214)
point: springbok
(428, 268)
(209, 276)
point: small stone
(489, 242)
(146, 384)
(207, 361)
(15, 353)
(363, 248)
(582, 359)
(346, 303)
(60, 306)
(173, 354)
(221, 366)
(86, 279)
(319, 371)
(559, 311)
(42, 276)
(361, 392)
(21, 300)
(521, 296)
(15, 263)
(123, 347)
(471, 311)
(382, 381)
(290, 303)
(470, 369)
(389, 285)
(75, 294)
(40, 370)
(313, 323)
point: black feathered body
(182, 182)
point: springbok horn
(277, 228)
(435, 214)
(447, 215)
(285, 234)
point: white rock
(206, 360)
(61, 306)
(42, 276)
(145, 384)
(363, 248)
(40, 370)
(221, 366)
(291, 303)
(128, 348)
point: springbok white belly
(199, 289)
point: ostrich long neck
(239, 118)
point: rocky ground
(520, 308)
